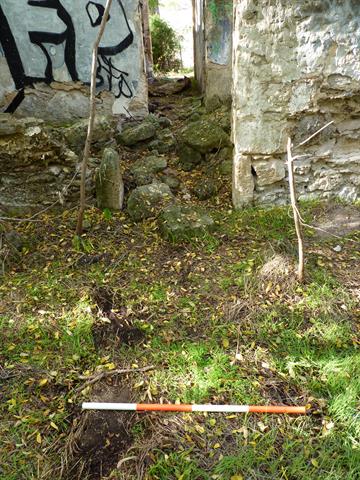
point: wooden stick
(296, 215)
(79, 225)
(314, 134)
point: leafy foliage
(153, 6)
(166, 46)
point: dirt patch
(113, 326)
(340, 220)
(99, 438)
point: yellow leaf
(38, 437)
(110, 366)
(43, 382)
(262, 426)
(314, 462)
(54, 425)
(217, 445)
(212, 422)
(225, 343)
(237, 477)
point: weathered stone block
(269, 171)
(109, 182)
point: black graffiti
(100, 10)
(114, 75)
(67, 37)
(11, 52)
(106, 68)
(108, 75)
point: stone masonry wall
(296, 67)
(45, 58)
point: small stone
(195, 117)
(179, 223)
(205, 189)
(188, 157)
(148, 200)
(213, 103)
(8, 125)
(338, 248)
(15, 240)
(144, 171)
(226, 167)
(131, 135)
(173, 182)
(165, 142)
(164, 122)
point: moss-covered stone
(138, 133)
(144, 171)
(206, 189)
(204, 136)
(188, 157)
(148, 200)
(109, 182)
(179, 223)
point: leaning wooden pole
(86, 154)
(297, 219)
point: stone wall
(296, 67)
(45, 58)
(38, 162)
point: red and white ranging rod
(159, 407)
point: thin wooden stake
(79, 225)
(294, 206)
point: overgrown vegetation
(166, 45)
(218, 319)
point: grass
(283, 343)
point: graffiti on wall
(39, 37)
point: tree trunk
(147, 40)
(79, 226)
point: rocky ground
(177, 154)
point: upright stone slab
(296, 67)
(109, 182)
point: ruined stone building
(287, 69)
(291, 68)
